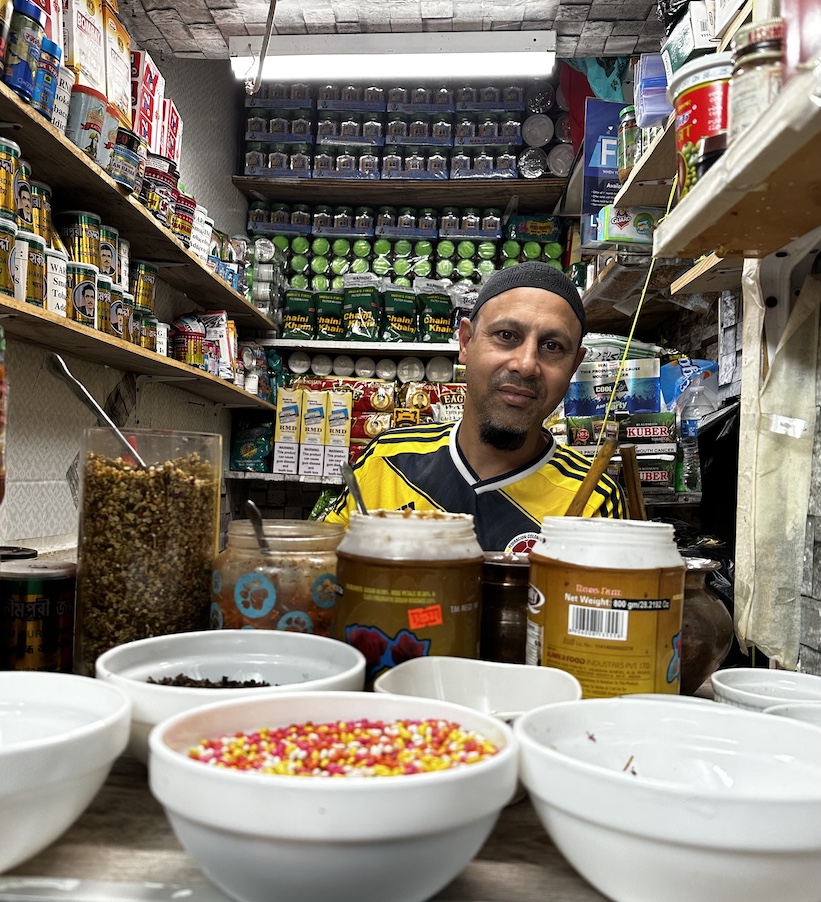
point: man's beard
(502, 438)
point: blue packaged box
(638, 389)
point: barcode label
(597, 623)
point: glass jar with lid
(255, 124)
(276, 90)
(397, 127)
(350, 94)
(350, 126)
(300, 92)
(363, 218)
(443, 96)
(327, 126)
(487, 126)
(420, 95)
(323, 218)
(280, 213)
(278, 157)
(373, 94)
(449, 218)
(324, 160)
(427, 215)
(441, 127)
(757, 73)
(414, 160)
(491, 219)
(368, 163)
(407, 218)
(512, 95)
(346, 161)
(279, 123)
(465, 127)
(437, 164)
(300, 158)
(300, 125)
(259, 211)
(629, 142)
(490, 94)
(471, 219)
(386, 217)
(397, 94)
(343, 217)
(460, 162)
(506, 162)
(391, 161)
(419, 126)
(467, 94)
(291, 586)
(301, 215)
(325, 93)
(510, 126)
(372, 126)
(255, 156)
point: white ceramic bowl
(757, 688)
(809, 712)
(290, 662)
(504, 690)
(272, 838)
(59, 736)
(658, 801)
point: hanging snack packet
(362, 307)
(399, 321)
(299, 314)
(329, 325)
(436, 313)
(251, 446)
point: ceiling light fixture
(490, 54)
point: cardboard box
(83, 44)
(287, 430)
(629, 225)
(314, 418)
(638, 390)
(54, 19)
(147, 95)
(691, 37)
(311, 460)
(725, 13)
(117, 51)
(338, 431)
(171, 132)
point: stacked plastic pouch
(650, 91)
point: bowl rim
(804, 705)
(160, 749)
(724, 684)
(121, 711)
(672, 790)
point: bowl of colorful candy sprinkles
(337, 796)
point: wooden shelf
(651, 179)
(739, 19)
(369, 348)
(28, 323)
(764, 191)
(79, 183)
(534, 195)
(711, 273)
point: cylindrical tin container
(162, 338)
(290, 587)
(6, 10)
(699, 94)
(128, 139)
(86, 115)
(35, 269)
(23, 53)
(127, 317)
(147, 538)
(9, 161)
(22, 194)
(62, 98)
(81, 292)
(410, 584)
(45, 81)
(19, 262)
(56, 263)
(8, 238)
(138, 331)
(143, 283)
(41, 211)
(115, 323)
(81, 232)
(124, 264)
(505, 580)
(109, 136)
(150, 324)
(104, 303)
(605, 604)
(124, 167)
(37, 615)
(109, 252)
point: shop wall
(210, 103)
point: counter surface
(124, 837)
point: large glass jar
(290, 586)
(147, 537)
(410, 584)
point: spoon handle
(353, 486)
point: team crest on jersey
(523, 543)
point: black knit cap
(531, 275)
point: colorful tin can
(127, 317)
(8, 237)
(86, 115)
(37, 615)
(23, 54)
(81, 292)
(128, 139)
(45, 81)
(9, 162)
(115, 319)
(41, 211)
(6, 10)
(123, 167)
(124, 265)
(22, 194)
(143, 283)
(81, 232)
(62, 98)
(109, 252)
(150, 324)
(163, 330)
(35, 269)
(109, 136)
(138, 329)
(56, 263)
(104, 286)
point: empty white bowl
(290, 662)
(683, 803)
(757, 688)
(59, 736)
(276, 838)
(504, 690)
(808, 712)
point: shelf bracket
(145, 380)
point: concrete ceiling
(199, 29)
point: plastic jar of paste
(410, 585)
(292, 586)
(605, 604)
(757, 73)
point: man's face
(24, 204)
(88, 300)
(519, 354)
(106, 259)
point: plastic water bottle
(696, 404)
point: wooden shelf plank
(651, 179)
(764, 191)
(739, 19)
(535, 195)
(79, 183)
(31, 324)
(711, 273)
(401, 348)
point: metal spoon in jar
(255, 517)
(353, 486)
(57, 367)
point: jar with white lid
(410, 585)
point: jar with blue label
(23, 54)
(289, 586)
(45, 81)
